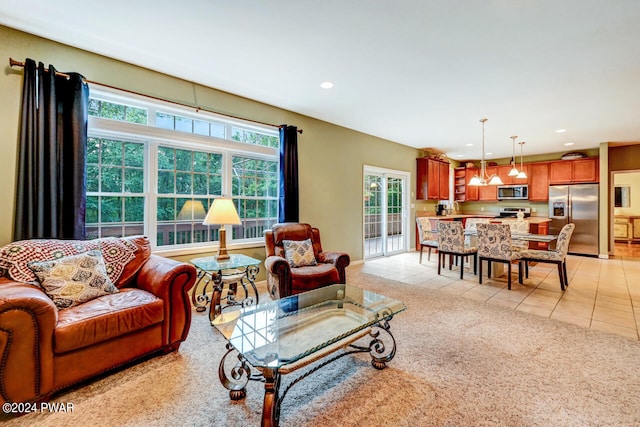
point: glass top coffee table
(281, 336)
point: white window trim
(153, 137)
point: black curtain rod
(14, 63)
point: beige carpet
(459, 363)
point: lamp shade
(222, 211)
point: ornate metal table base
(235, 376)
(217, 281)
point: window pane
(166, 209)
(200, 162)
(164, 120)
(134, 154)
(111, 209)
(183, 160)
(136, 115)
(111, 152)
(133, 180)
(166, 158)
(111, 178)
(91, 210)
(94, 107)
(215, 185)
(218, 130)
(92, 177)
(112, 111)
(200, 183)
(166, 182)
(184, 125)
(93, 150)
(183, 183)
(134, 209)
(200, 127)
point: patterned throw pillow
(74, 279)
(15, 256)
(299, 253)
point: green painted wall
(331, 158)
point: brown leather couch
(44, 350)
(282, 279)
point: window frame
(152, 137)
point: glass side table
(237, 270)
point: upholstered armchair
(296, 263)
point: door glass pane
(372, 215)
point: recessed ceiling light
(561, 130)
(468, 145)
(488, 154)
(326, 85)
(569, 143)
(460, 155)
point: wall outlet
(534, 210)
(481, 209)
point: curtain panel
(51, 181)
(288, 198)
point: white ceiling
(418, 72)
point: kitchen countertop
(531, 219)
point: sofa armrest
(340, 259)
(27, 320)
(170, 280)
(278, 276)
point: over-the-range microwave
(513, 192)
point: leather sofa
(284, 280)
(44, 350)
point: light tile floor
(602, 294)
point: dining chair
(557, 256)
(428, 239)
(451, 242)
(495, 245)
(519, 227)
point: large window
(155, 169)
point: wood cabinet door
(471, 193)
(489, 192)
(560, 172)
(585, 170)
(443, 177)
(503, 173)
(421, 179)
(433, 179)
(538, 181)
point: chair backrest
(518, 226)
(290, 231)
(424, 230)
(494, 241)
(471, 223)
(450, 236)
(562, 246)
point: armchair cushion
(75, 279)
(299, 253)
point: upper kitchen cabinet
(574, 171)
(538, 174)
(432, 179)
(488, 193)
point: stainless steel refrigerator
(576, 203)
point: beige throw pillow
(74, 279)
(299, 253)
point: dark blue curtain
(50, 193)
(289, 202)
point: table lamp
(222, 212)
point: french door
(385, 212)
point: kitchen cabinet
(538, 174)
(471, 192)
(503, 173)
(622, 229)
(574, 171)
(432, 179)
(459, 184)
(635, 228)
(489, 192)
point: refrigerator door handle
(570, 208)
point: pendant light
(521, 174)
(483, 179)
(514, 171)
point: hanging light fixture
(521, 174)
(514, 170)
(483, 179)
